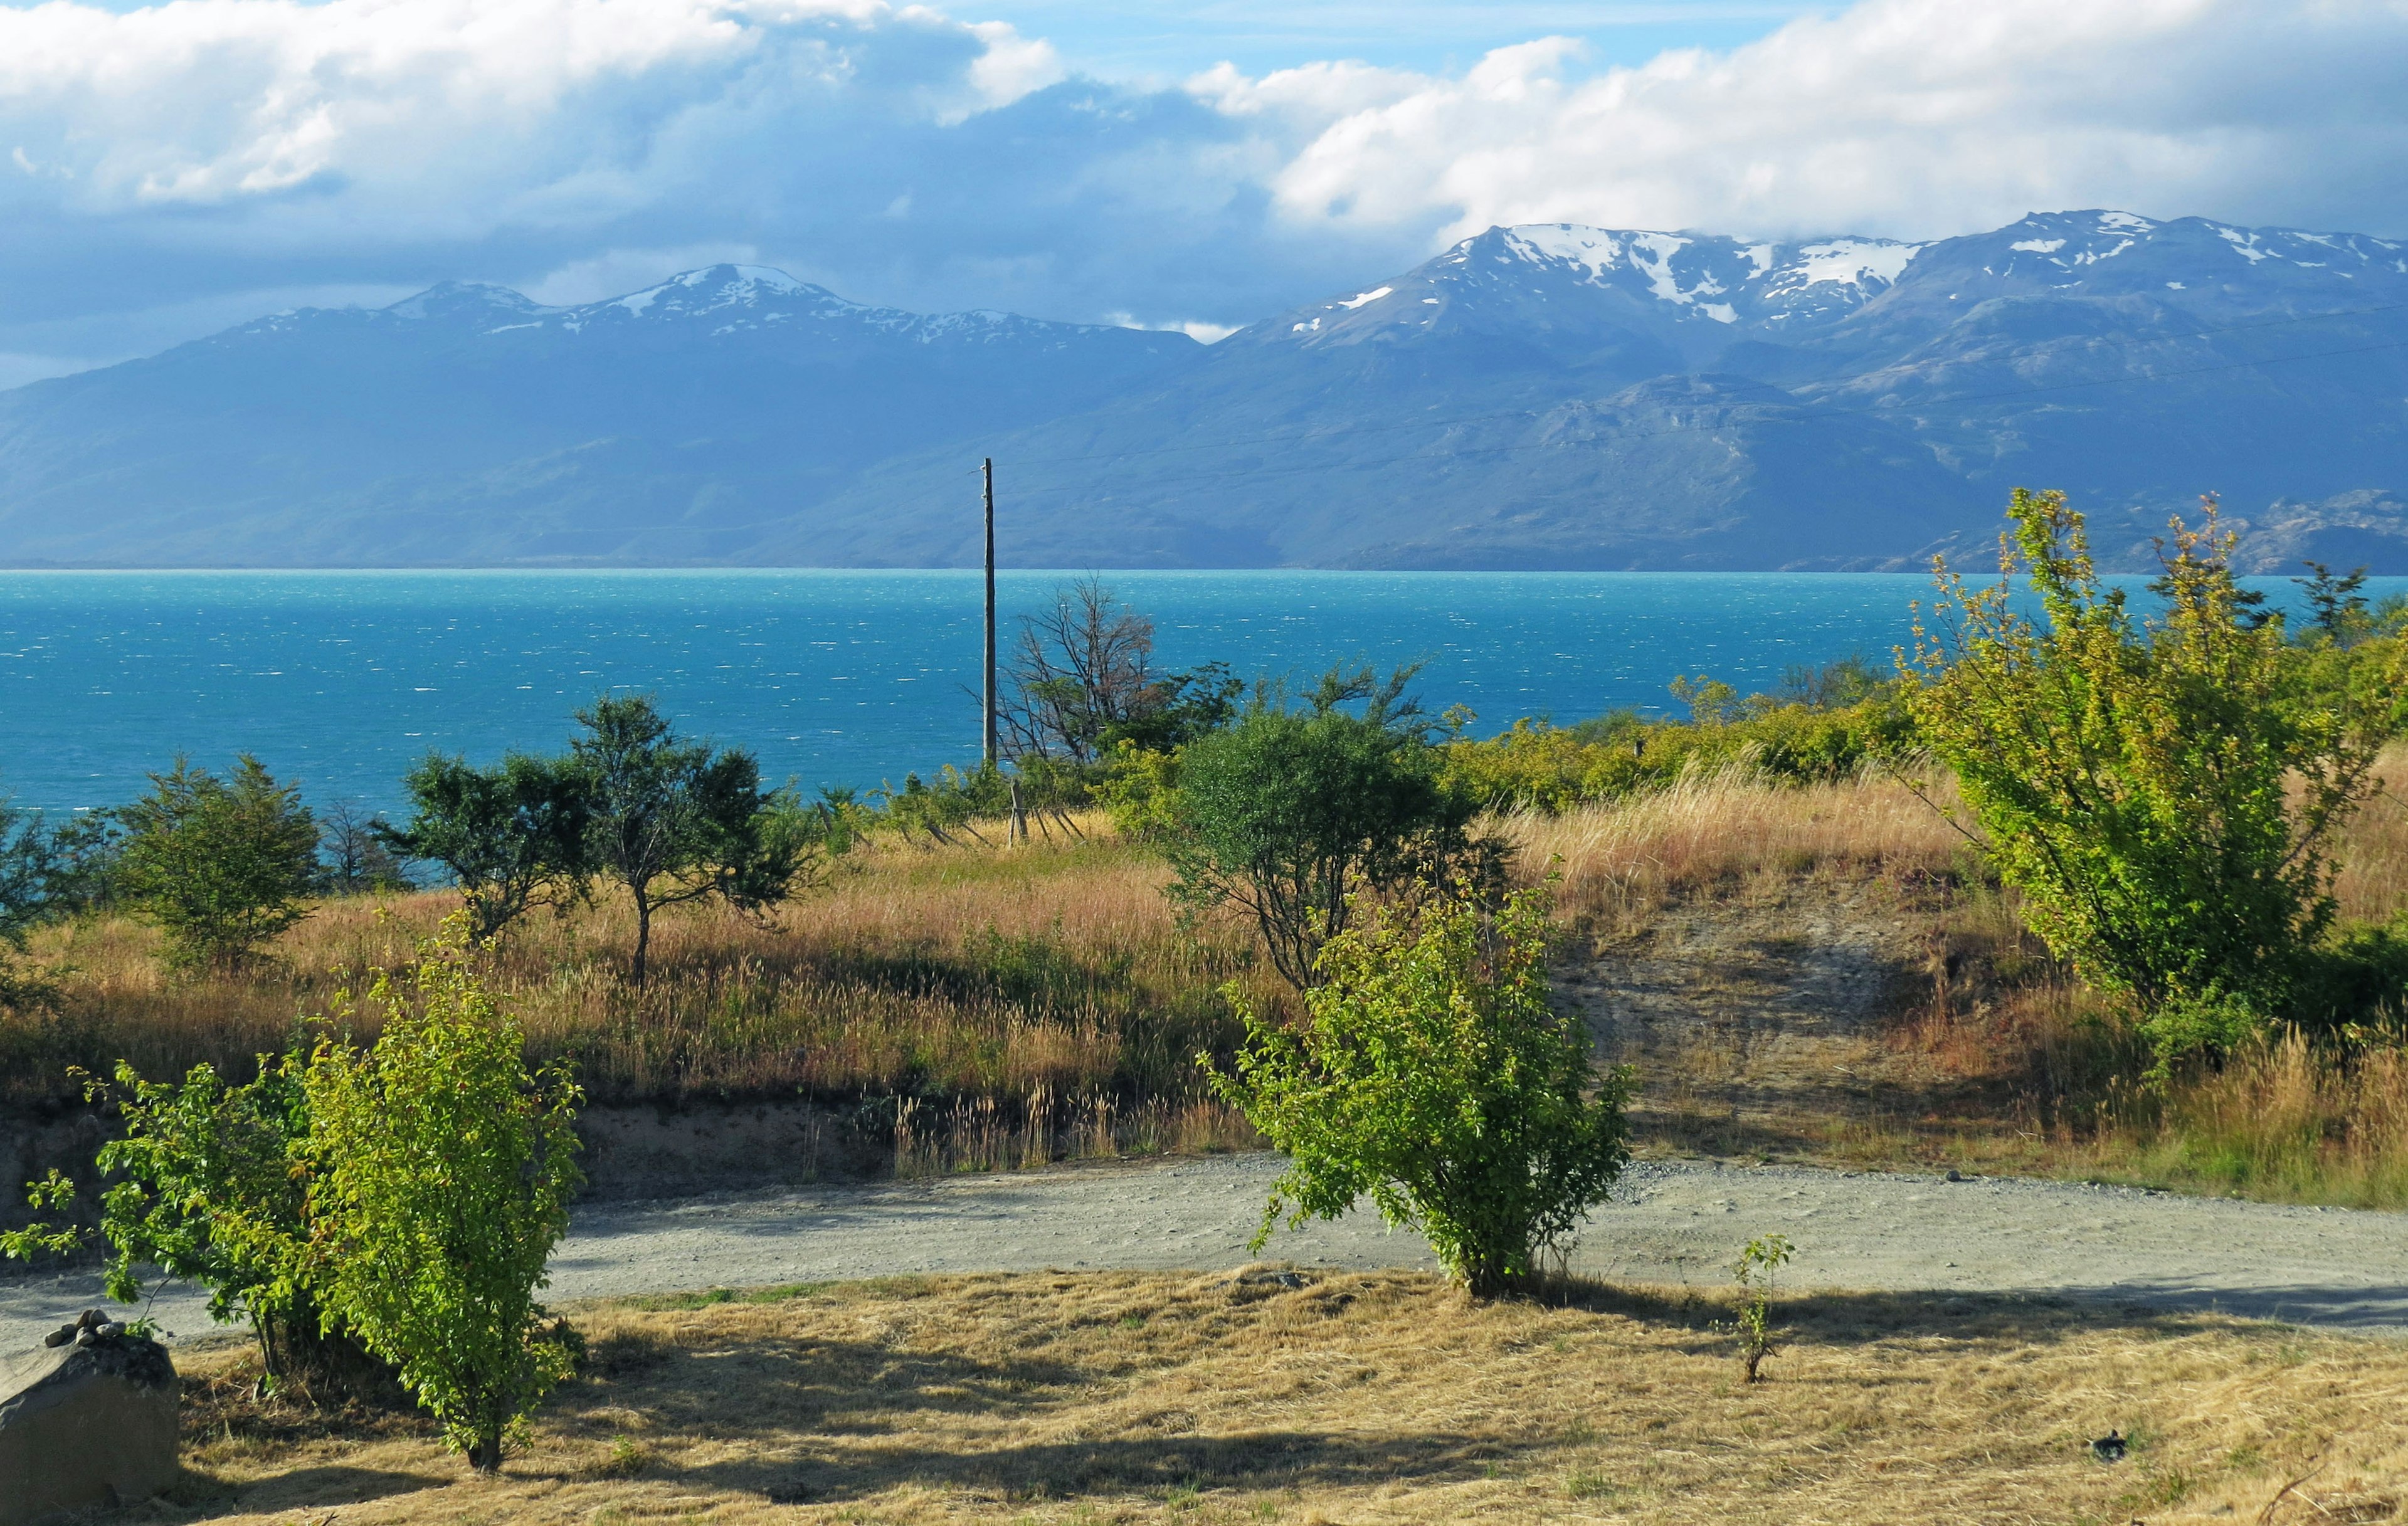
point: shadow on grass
(2004, 1319)
(303, 1489)
(1264, 1460)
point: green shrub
(1290, 813)
(1431, 1073)
(441, 1171)
(220, 866)
(207, 1192)
(2163, 793)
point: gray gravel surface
(1672, 1222)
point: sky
(166, 171)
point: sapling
(1758, 1261)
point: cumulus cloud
(1911, 118)
(219, 156)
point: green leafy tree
(441, 1170)
(1431, 1073)
(1292, 813)
(2163, 792)
(221, 865)
(205, 1192)
(675, 821)
(511, 836)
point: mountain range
(1549, 397)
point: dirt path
(1676, 1221)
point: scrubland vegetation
(2081, 893)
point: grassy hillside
(1820, 972)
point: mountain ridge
(1538, 395)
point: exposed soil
(1758, 1019)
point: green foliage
(1431, 1073)
(1551, 769)
(441, 1175)
(676, 822)
(207, 1193)
(220, 865)
(1760, 1261)
(511, 836)
(2163, 793)
(1291, 814)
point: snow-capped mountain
(1539, 395)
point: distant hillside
(1543, 396)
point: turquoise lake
(341, 679)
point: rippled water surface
(340, 679)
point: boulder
(87, 1419)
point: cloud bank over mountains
(167, 171)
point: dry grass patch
(1360, 1398)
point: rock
(90, 1421)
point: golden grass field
(1042, 1002)
(1385, 1397)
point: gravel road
(1673, 1222)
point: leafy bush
(2163, 793)
(220, 866)
(511, 836)
(207, 1193)
(1551, 769)
(441, 1171)
(1431, 1073)
(1290, 813)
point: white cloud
(1903, 116)
(188, 159)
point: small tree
(1760, 1262)
(354, 852)
(2163, 793)
(1291, 814)
(207, 1192)
(511, 836)
(675, 823)
(441, 1173)
(220, 866)
(1431, 1073)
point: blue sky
(1144, 38)
(167, 172)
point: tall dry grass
(1052, 969)
(1620, 862)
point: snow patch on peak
(2244, 244)
(1658, 271)
(1761, 256)
(1592, 248)
(1359, 299)
(2124, 222)
(1851, 262)
(2038, 245)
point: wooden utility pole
(990, 612)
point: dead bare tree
(1077, 670)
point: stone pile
(89, 1420)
